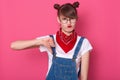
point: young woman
(68, 52)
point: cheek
(73, 24)
(63, 25)
(66, 25)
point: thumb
(50, 49)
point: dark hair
(67, 10)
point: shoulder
(85, 40)
(86, 45)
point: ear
(58, 19)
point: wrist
(37, 42)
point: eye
(64, 18)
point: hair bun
(76, 4)
(57, 6)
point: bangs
(68, 11)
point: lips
(69, 26)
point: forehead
(62, 16)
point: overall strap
(53, 48)
(78, 48)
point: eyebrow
(64, 18)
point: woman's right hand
(47, 42)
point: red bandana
(66, 42)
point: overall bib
(63, 68)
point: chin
(69, 31)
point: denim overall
(63, 68)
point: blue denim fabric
(63, 68)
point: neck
(67, 33)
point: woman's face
(67, 24)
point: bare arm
(84, 66)
(24, 44)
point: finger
(48, 46)
(50, 49)
(51, 42)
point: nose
(69, 21)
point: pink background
(99, 21)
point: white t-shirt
(85, 47)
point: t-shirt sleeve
(42, 48)
(86, 46)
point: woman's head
(67, 15)
(67, 10)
